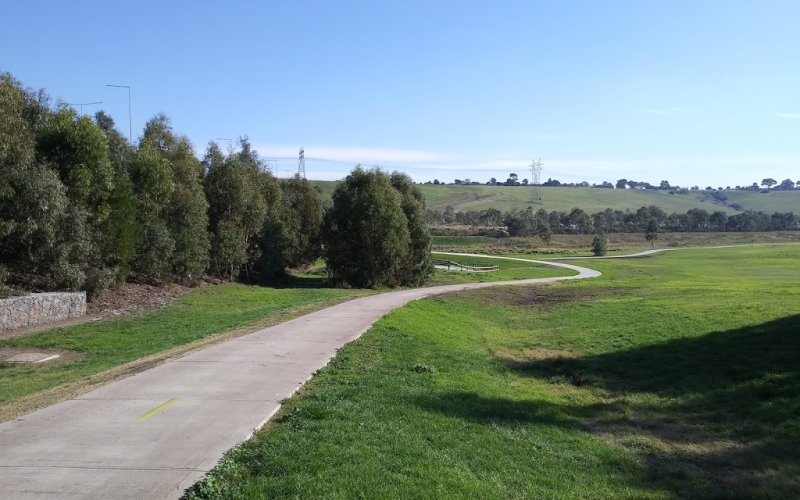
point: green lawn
(109, 344)
(508, 270)
(676, 376)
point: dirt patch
(9, 354)
(130, 298)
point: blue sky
(692, 92)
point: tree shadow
(473, 407)
(715, 416)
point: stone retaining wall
(38, 308)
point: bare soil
(132, 298)
(64, 355)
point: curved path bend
(154, 434)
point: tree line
(578, 221)
(82, 208)
(513, 180)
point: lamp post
(82, 104)
(130, 122)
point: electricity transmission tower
(301, 166)
(536, 174)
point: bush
(599, 245)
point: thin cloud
(795, 116)
(673, 111)
(350, 154)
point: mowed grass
(508, 270)
(505, 198)
(676, 376)
(109, 344)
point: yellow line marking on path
(157, 409)
(301, 335)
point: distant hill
(592, 200)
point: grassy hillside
(774, 201)
(504, 198)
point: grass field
(676, 376)
(108, 345)
(592, 200)
(774, 201)
(618, 243)
(508, 270)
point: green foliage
(240, 195)
(78, 150)
(599, 245)
(417, 265)
(290, 237)
(651, 231)
(167, 179)
(365, 233)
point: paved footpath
(154, 434)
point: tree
(524, 182)
(493, 181)
(240, 193)
(621, 183)
(32, 196)
(599, 244)
(290, 237)
(77, 150)
(787, 184)
(365, 233)
(651, 232)
(768, 182)
(170, 177)
(417, 265)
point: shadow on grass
(494, 411)
(716, 416)
(292, 281)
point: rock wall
(38, 308)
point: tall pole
(130, 121)
(301, 165)
(536, 172)
(82, 104)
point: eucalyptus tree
(172, 209)
(365, 233)
(291, 234)
(241, 194)
(32, 196)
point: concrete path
(154, 434)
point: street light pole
(82, 104)
(130, 122)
